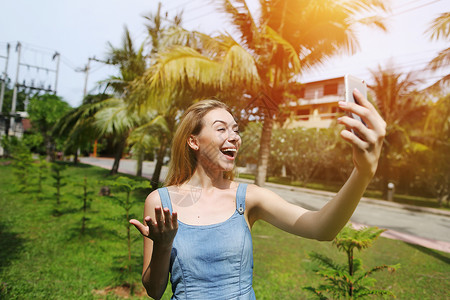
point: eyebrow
(225, 123)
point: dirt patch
(123, 291)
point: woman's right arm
(159, 230)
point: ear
(192, 142)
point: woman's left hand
(368, 140)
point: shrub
(348, 280)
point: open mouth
(229, 152)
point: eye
(237, 131)
(221, 129)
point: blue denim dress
(212, 261)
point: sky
(82, 29)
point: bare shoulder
(153, 200)
(257, 195)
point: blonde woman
(197, 228)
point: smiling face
(218, 142)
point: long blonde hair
(183, 160)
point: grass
(44, 256)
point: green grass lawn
(44, 256)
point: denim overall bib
(212, 261)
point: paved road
(425, 227)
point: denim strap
(240, 198)
(165, 198)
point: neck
(207, 178)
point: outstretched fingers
(159, 219)
(365, 110)
(175, 220)
(367, 138)
(161, 229)
(139, 226)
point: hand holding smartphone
(352, 82)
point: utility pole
(16, 82)
(58, 57)
(5, 77)
(86, 70)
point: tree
(289, 38)
(165, 105)
(76, 126)
(403, 109)
(45, 111)
(437, 129)
(307, 152)
(440, 29)
(115, 117)
(22, 96)
(127, 186)
(348, 280)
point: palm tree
(166, 106)
(76, 126)
(437, 129)
(289, 38)
(440, 29)
(404, 111)
(117, 117)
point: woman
(198, 227)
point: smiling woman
(197, 228)
(185, 148)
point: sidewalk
(127, 166)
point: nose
(233, 136)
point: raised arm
(159, 230)
(326, 223)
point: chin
(228, 167)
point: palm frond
(153, 126)
(239, 66)
(183, 67)
(242, 19)
(366, 6)
(292, 55)
(441, 60)
(439, 27)
(115, 118)
(375, 21)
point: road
(421, 226)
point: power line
(177, 5)
(36, 48)
(406, 3)
(413, 8)
(68, 63)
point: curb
(374, 201)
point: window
(303, 114)
(330, 89)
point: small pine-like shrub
(126, 185)
(23, 164)
(57, 174)
(349, 280)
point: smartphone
(352, 82)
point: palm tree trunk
(159, 163)
(139, 163)
(75, 157)
(264, 150)
(117, 156)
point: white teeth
(229, 149)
